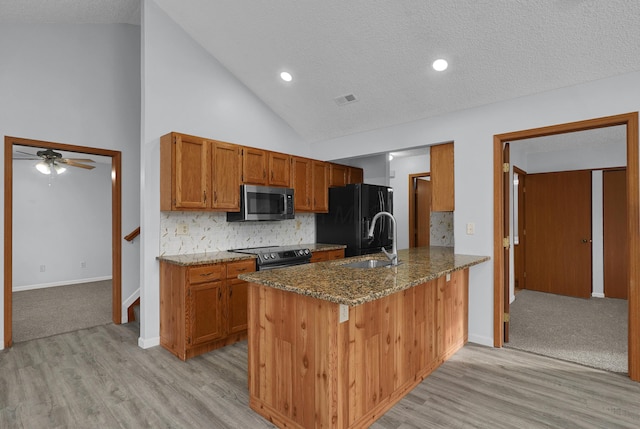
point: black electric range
(271, 257)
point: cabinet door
(356, 175)
(337, 175)
(191, 174)
(320, 188)
(327, 255)
(226, 176)
(301, 182)
(254, 166)
(279, 164)
(237, 305)
(442, 178)
(204, 314)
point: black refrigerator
(351, 209)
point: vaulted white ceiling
(381, 51)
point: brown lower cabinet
(202, 307)
(326, 255)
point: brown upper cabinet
(198, 174)
(442, 178)
(356, 175)
(263, 167)
(319, 186)
(310, 179)
(301, 183)
(338, 175)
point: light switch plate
(471, 228)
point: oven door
(282, 265)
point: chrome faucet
(393, 256)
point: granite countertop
(226, 256)
(332, 281)
(205, 258)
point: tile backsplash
(210, 232)
(441, 229)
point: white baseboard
(597, 295)
(127, 303)
(64, 283)
(482, 340)
(148, 343)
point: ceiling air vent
(345, 99)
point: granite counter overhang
(332, 281)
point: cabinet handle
(215, 196)
(205, 196)
(207, 274)
(242, 269)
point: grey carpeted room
(592, 332)
(40, 313)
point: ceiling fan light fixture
(59, 168)
(43, 167)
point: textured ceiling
(381, 51)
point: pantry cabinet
(202, 307)
(198, 174)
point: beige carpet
(591, 332)
(50, 311)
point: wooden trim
(412, 206)
(630, 120)
(133, 234)
(116, 222)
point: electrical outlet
(344, 313)
(471, 228)
(183, 229)
(43, 268)
(83, 264)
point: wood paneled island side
(331, 346)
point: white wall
(78, 85)
(472, 131)
(187, 90)
(60, 223)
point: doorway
(419, 209)
(630, 121)
(116, 251)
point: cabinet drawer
(206, 273)
(240, 267)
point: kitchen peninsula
(335, 346)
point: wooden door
(204, 313)
(558, 225)
(320, 188)
(506, 182)
(192, 178)
(279, 164)
(254, 166)
(423, 213)
(226, 176)
(301, 182)
(616, 246)
(237, 305)
(520, 247)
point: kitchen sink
(369, 263)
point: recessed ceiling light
(440, 65)
(286, 76)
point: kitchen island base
(309, 369)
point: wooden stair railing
(133, 234)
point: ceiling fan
(52, 161)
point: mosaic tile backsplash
(210, 232)
(441, 229)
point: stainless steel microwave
(263, 203)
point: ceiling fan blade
(80, 159)
(25, 159)
(76, 164)
(27, 153)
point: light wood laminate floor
(99, 377)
